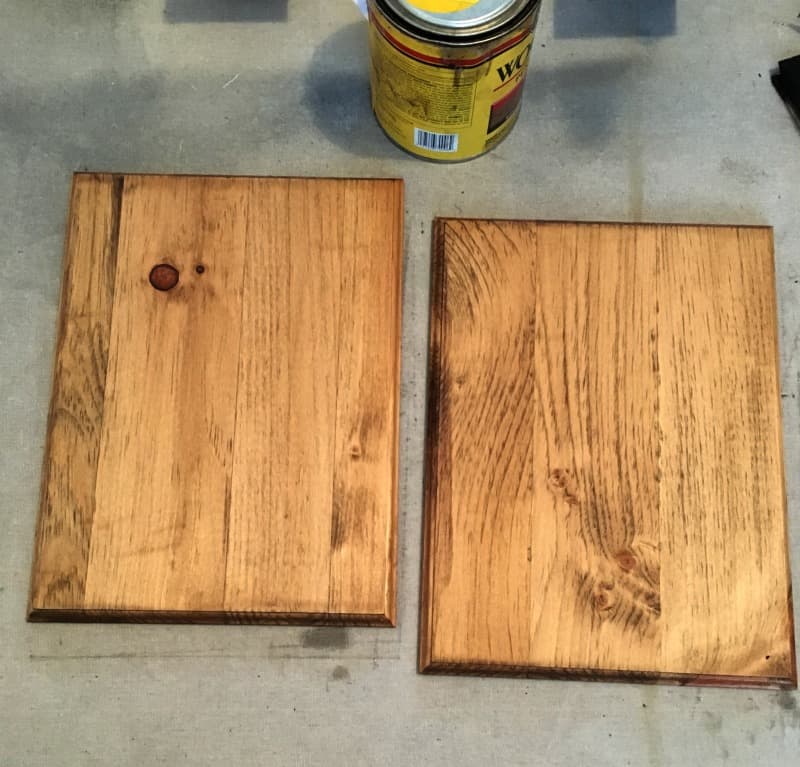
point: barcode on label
(435, 142)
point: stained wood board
(224, 450)
(604, 490)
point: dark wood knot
(602, 601)
(626, 560)
(164, 277)
(653, 602)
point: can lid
(458, 16)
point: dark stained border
(208, 617)
(438, 267)
(610, 675)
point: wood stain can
(447, 75)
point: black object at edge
(787, 82)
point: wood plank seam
(336, 521)
(229, 485)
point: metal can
(447, 75)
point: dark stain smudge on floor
(327, 637)
(787, 701)
(713, 722)
(340, 674)
(790, 711)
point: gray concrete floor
(634, 111)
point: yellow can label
(443, 6)
(445, 108)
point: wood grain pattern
(76, 407)
(604, 492)
(238, 452)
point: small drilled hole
(199, 268)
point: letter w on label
(510, 68)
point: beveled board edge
(436, 332)
(774, 329)
(210, 617)
(610, 675)
(391, 580)
(93, 330)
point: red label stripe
(447, 62)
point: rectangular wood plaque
(605, 491)
(224, 448)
